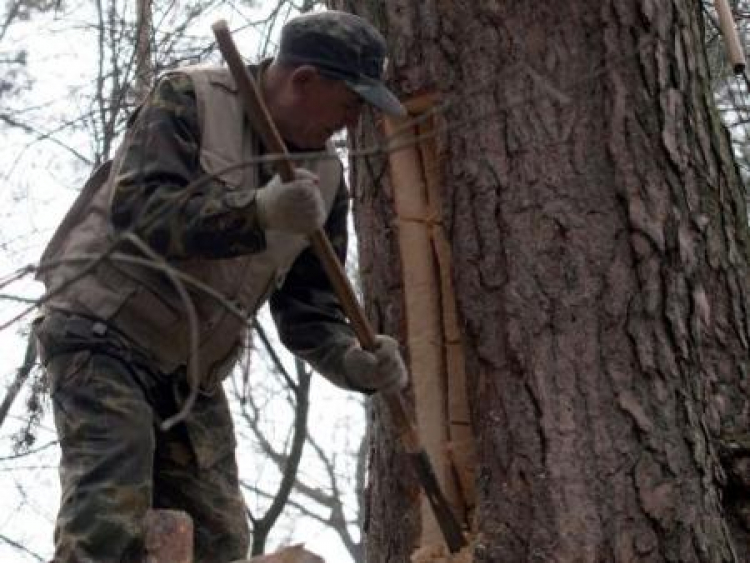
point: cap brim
(375, 93)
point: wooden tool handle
(266, 129)
(264, 126)
(731, 37)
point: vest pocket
(155, 326)
(104, 302)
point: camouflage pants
(116, 463)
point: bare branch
(262, 526)
(20, 547)
(22, 374)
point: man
(157, 267)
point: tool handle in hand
(264, 126)
(266, 129)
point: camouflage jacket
(158, 188)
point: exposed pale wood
(423, 331)
(436, 358)
(460, 447)
(169, 537)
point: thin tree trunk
(144, 73)
(599, 239)
(22, 375)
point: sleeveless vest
(141, 301)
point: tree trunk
(599, 244)
(144, 73)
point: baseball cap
(342, 46)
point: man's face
(323, 107)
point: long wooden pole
(266, 129)
(731, 37)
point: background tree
(598, 230)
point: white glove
(380, 370)
(294, 207)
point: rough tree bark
(600, 250)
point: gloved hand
(380, 370)
(294, 207)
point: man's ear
(304, 75)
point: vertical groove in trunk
(599, 237)
(422, 310)
(433, 339)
